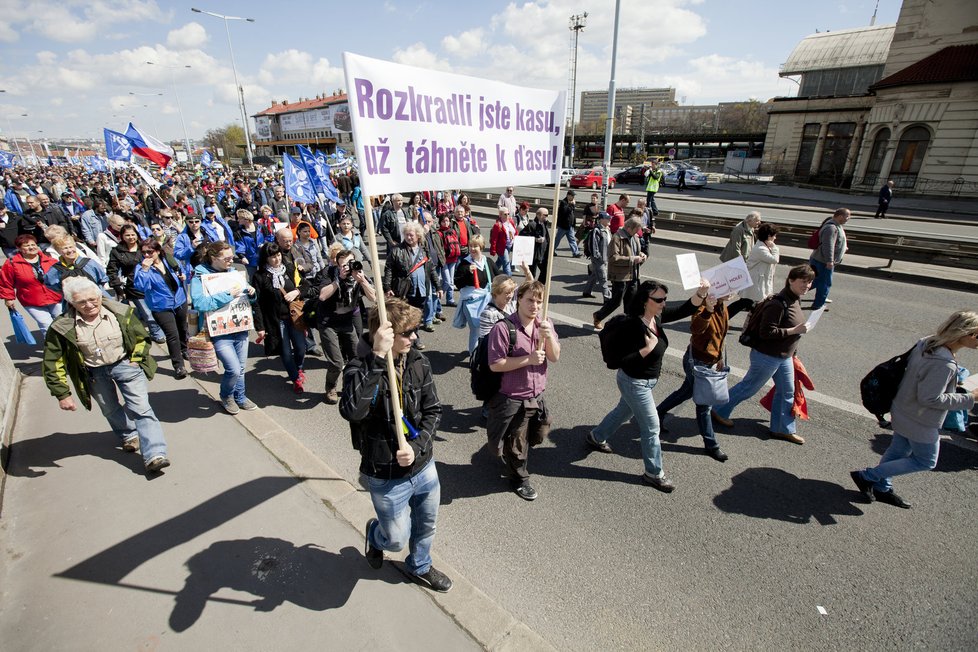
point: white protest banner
(689, 270)
(729, 277)
(235, 316)
(523, 250)
(814, 317)
(417, 128)
(150, 181)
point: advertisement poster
(234, 317)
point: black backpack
(878, 389)
(484, 381)
(612, 351)
(589, 243)
(750, 336)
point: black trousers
(620, 290)
(174, 325)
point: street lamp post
(234, 69)
(577, 23)
(609, 124)
(173, 80)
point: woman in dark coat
(275, 283)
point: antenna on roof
(872, 21)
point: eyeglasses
(227, 258)
(658, 299)
(149, 252)
(193, 221)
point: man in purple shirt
(518, 416)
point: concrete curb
(6, 435)
(492, 627)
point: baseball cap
(209, 209)
(603, 216)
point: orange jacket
(802, 381)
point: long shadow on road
(29, 457)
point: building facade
(892, 102)
(594, 104)
(322, 123)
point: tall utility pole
(234, 69)
(610, 121)
(577, 23)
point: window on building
(909, 156)
(838, 139)
(839, 82)
(876, 155)
(806, 151)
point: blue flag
(118, 147)
(206, 159)
(319, 171)
(297, 183)
(100, 164)
(6, 159)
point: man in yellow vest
(653, 176)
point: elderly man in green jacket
(103, 349)
(741, 242)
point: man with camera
(340, 316)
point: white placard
(235, 316)
(689, 270)
(417, 128)
(278, 226)
(523, 250)
(728, 277)
(814, 317)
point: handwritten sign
(235, 316)
(417, 128)
(523, 250)
(728, 278)
(689, 270)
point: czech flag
(148, 147)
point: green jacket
(63, 359)
(652, 180)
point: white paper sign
(235, 316)
(814, 317)
(689, 270)
(417, 128)
(523, 249)
(728, 277)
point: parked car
(694, 178)
(590, 179)
(634, 174)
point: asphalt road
(743, 555)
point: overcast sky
(71, 64)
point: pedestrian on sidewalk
(567, 224)
(102, 347)
(926, 393)
(597, 271)
(828, 254)
(886, 194)
(624, 260)
(653, 177)
(403, 484)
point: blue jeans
(134, 417)
(146, 316)
(571, 240)
(822, 283)
(44, 315)
(432, 307)
(448, 281)
(232, 351)
(504, 263)
(473, 330)
(650, 200)
(293, 349)
(636, 400)
(683, 394)
(407, 509)
(763, 368)
(902, 457)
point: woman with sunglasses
(22, 277)
(160, 279)
(189, 241)
(640, 344)
(121, 270)
(159, 234)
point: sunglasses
(658, 299)
(149, 252)
(193, 221)
(408, 334)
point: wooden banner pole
(550, 256)
(382, 314)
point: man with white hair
(102, 348)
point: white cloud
(74, 21)
(7, 33)
(298, 68)
(467, 44)
(191, 36)
(418, 55)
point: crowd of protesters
(106, 265)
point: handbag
(200, 350)
(297, 312)
(710, 383)
(21, 332)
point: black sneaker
(891, 498)
(434, 579)
(600, 446)
(375, 556)
(864, 485)
(526, 492)
(661, 483)
(717, 453)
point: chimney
(285, 102)
(274, 102)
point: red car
(590, 179)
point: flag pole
(550, 254)
(382, 317)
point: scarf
(278, 276)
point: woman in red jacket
(22, 278)
(501, 241)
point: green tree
(230, 138)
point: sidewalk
(229, 548)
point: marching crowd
(106, 265)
